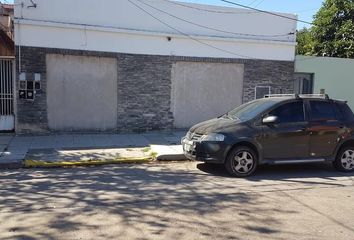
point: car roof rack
(282, 95)
(298, 96)
(325, 96)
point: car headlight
(213, 137)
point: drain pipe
(19, 38)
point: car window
(322, 111)
(250, 110)
(345, 112)
(289, 112)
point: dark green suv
(276, 129)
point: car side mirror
(270, 120)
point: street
(185, 200)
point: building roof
(8, 6)
(6, 9)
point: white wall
(334, 75)
(119, 26)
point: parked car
(276, 129)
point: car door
(288, 138)
(325, 128)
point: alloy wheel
(347, 160)
(243, 162)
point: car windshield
(250, 110)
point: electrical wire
(267, 12)
(307, 10)
(259, 3)
(211, 28)
(7, 3)
(206, 10)
(101, 26)
(252, 2)
(187, 35)
(307, 58)
(156, 18)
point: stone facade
(144, 86)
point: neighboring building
(334, 76)
(6, 30)
(6, 45)
(136, 65)
(7, 54)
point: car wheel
(241, 162)
(345, 159)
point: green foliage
(304, 42)
(332, 33)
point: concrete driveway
(176, 201)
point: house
(6, 44)
(139, 65)
(333, 76)
(7, 54)
(6, 30)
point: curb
(172, 157)
(45, 164)
(11, 165)
(28, 163)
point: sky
(305, 9)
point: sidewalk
(89, 147)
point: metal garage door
(81, 93)
(201, 91)
(7, 118)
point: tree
(333, 30)
(304, 42)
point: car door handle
(302, 129)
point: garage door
(81, 92)
(201, 91)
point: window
(250, 110)
(345, 112)
(261, 91)
(289, 112)
(303, 83)
(322, 111)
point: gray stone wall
(31, 116)
(144, 86)
(279, 75)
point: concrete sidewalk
(72, 147)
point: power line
(267, 12)
(259, 3)
(187, 35)
(95, 25)
(206, 10)
(252, 2)
(211, 28)
(308, 58)
(307, 10)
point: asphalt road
(176, 201)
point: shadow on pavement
(154, 200)
(280, 172)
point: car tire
(242, 161)
(345, 159)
